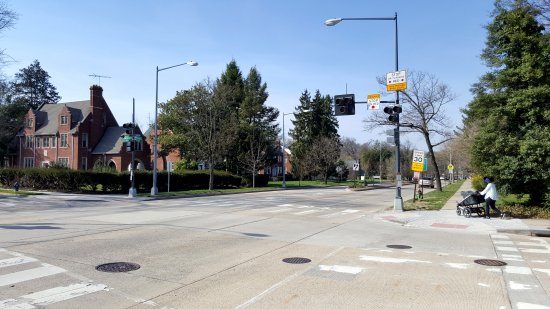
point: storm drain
(399, 246)
(118, 267)
(296, 260)
(490, 262)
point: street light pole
(284, 163)
(154, 189)
(398, 201)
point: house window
(38, 140)
(64, 140)
(63, 161)
(46, 142)
(84, 163)
(45, 163)
(29, 141)
(29, 122)
(64, 119)
(28, 162)
(268, 170)
(54, 141)
(84, 140)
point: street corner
(402, 218)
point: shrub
(477, 183)
(75, 181)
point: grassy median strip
(434, 200)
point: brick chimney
(96, 96)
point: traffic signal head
(344, 104)
(129, 127)
(394, 112)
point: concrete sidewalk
(447, 218)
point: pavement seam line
(248, 260)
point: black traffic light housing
(394, 112)
(129, 127)
(130, 146)
(344, 104)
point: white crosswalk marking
(16, 261)
(58, 294)
(45, 297)
(30, 274)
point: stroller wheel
(467, 212)
(458, 211)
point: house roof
(47, 120)
(110, 143)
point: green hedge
(66, 180)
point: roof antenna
(99, 78)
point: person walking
(491, 195)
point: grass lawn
(20, 193)
(273, 185)
(517, 206)
(434, 200)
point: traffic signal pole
(398, 201)
(132, 192)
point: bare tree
(323, 155)
(423, 111)
(350, 149)
(212, 123)
(7, 20)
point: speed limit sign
(418, 161)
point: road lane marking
(520, 286)
(341, 269)
(390, 260)
(30, 274)
(457, 265)
(306, 212)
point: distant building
(79, 135)
(276, 168)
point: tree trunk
(254, 176)
(432, 155)
(211, 174)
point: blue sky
(286, 40)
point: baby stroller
(470, 204)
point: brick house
(78, 135)
(276, 168)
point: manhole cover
(118, 267)
(399, 246)
(296, 260)
(490, 262)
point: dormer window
(30, 123)
(64, 120)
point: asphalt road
(227, 252)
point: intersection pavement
(228, 252)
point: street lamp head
(333, 21)
(192, 63)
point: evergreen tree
(33, 88)
(233, 83)
(258, 127)
(510, 106)
(314, 120)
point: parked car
(427, 182)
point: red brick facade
(76, 134)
